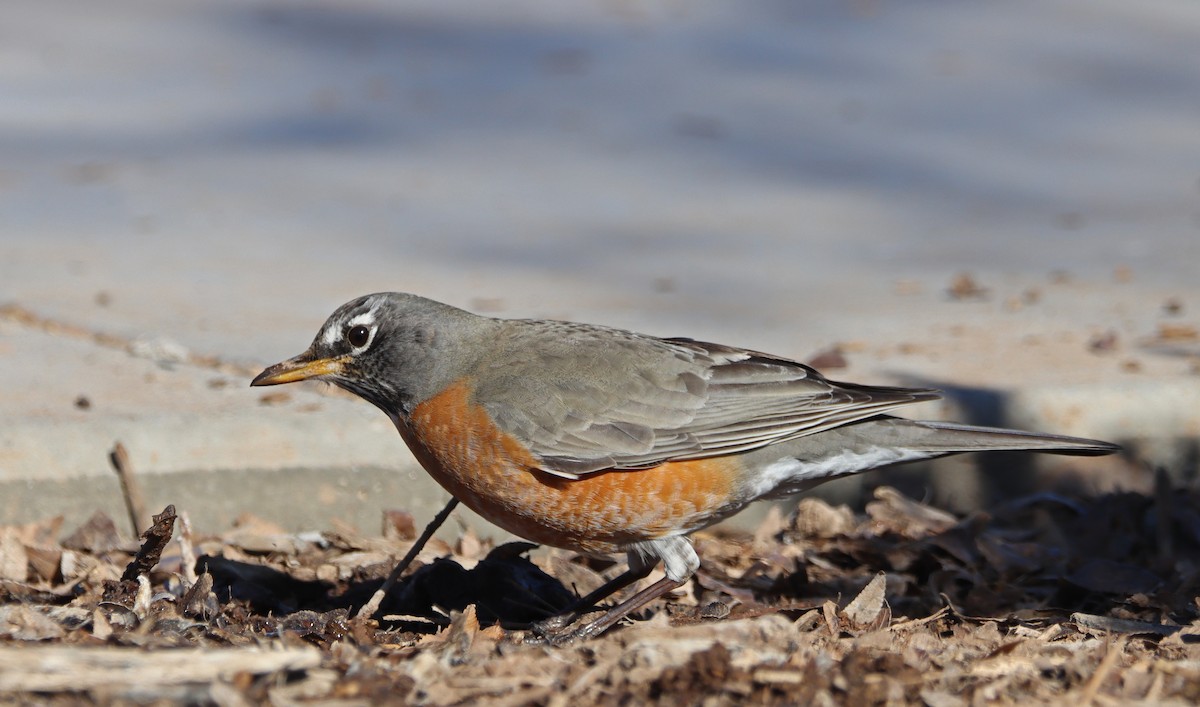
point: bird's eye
(358, 336)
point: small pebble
(1102, 343)
(274, 398)
(964, 287)
(1131, 366)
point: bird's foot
(559, 630)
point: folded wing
(600, 401)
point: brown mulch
(1045, 599)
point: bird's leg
(679, 562)
(630, 605)
(368, 610)
(561, 620)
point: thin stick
(131, 489)
(913, 623)
(187, 550)
(368, 610)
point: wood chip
(1113, 625)
(1177, 332)
(56, 668)
(984, 625)
(24, 623)
(14, 561)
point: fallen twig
(131, 489)
(368, 610)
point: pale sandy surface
(214, 178)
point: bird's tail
(951, 438)
(801, 463)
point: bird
(605, 441)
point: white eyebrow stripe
(332, 335)
(366, 319)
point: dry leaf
(816, 518)
(97, 536)
(44, 560)
(866, 606)
(899, 514)
(399, 525)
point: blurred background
(1000, 199)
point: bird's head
(391, 349)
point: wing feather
(587, 398)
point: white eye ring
(359, 336)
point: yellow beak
(302, 367)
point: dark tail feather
(950, 438)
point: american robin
(602, 440)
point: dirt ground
(1045, 599)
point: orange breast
(494, 475)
